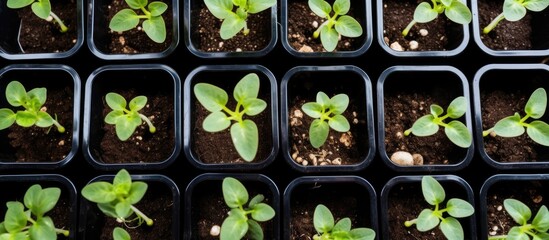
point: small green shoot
(328, 114)
(338, 24)
(243, 220)
(515, 10)
(244, 132)
(120, 234)
(513, 126)
(455, 130)
(40, 8)
(428, 219)
(323, 221)
(235, 21)
(126, 120)
(34, 112)
(455, 10)
(28, 220)
(521, 213)
(153, 25)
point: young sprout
(33, 114)
(40, 8)
(513, 126)
(537, 229)
(28, 220)
(428, 219)
(514, 10)
(118, 199)
(455, 130)
(243, 220)
(338, 24)
(244, 132)
(235, 21)
(153, 25)
(323, 221)
(454, 10)
(126, 120)
(328, 114)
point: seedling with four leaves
(126, 120)
(153, 25)
(513, 126)
(234, 21)
(334, 26)
(244, 133)
(323, 221)
(34, 112)
(328, 114)
(118, 199)
(521, 213)
(243, 221)
(455, 10)
(515, 10)
(428, 219)
(28, 220)
(40, 8)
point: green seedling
(515, 10)
(513, 126)
(328, 114)
(118, 199)
(338, 24)
(40, 8)
(243, 221)
(28, 220)
(428, 219)
(323, 221)
(455, 10)
(244, 132)
(153, 25)
(126, 120)
(521, 213)
(234, 21)
(34, 112)
(455, 130)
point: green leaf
(451, 228)
(436, 110)
(137, 4)
(25, 118)
(137, 192)
(157, 8)
(459, 208)
(457, 107)
(425, 126)
(120, 234)
(41, 201)
(99, 192)
(424, 13)
(14, 236)
(257, 6)
(124, 20)
(123, 209)
(137, 103)
(516, 233)
(112, 117)
(433, 192)
(318, 132)
(447, 3)
(155, 28)
(323, 99)
(320, 8)
(539, 132)
(329, 38)
(216, 121)
(234, 227)
(427, 220)
(2, 228)
(348, 27)
(541, 236)
(343, 225)
(41, 8)
(38, 97)
(108, 209)
(323, 220)
(513, 10)
(255, 232)
(262, 212)
(115, 101)
(211, 97)
(19, 3)
(7, 118)
(15, 219)
(541, 220)
(122, 182)
(458, 133)
(16, 94)
(253, 107)
(246, 88)
(255, 200)
(312, 109)
(535, 107)
(219, 8)
(245, 138)
(43, 229)
(362, 234)
(339, 123)
(234, 192)
(232, 24)
(339, 103)
(126, 125)
(536, 5)
(341, 7)
(43, 119)
(458, 12)
(518, 210)
(509, 126)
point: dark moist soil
(301, 29)
(507, 35)
(142, 146)
(339, 149)
(206, 38)
(401, 111)
(136, 41)
(36, 144)
(497, 105)
(442, 34)
(39, 36)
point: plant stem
(62, 231)
(152, 129)
(493, 24)
(487, 132)
(142, 215)
(58, 20)
(499, 237)
(60, 128)
(407, 29)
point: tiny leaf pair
(338, 24)
(126, 120)
(244, 133)
(513, 126)
(32, 102)
(521, 213)
(243, 220)
(40, 8)
(328, 114)
(514, 10)
(455, 10)
(153, 25)
(428, 219)
(235, 21)
(323, 221)
(455, 130)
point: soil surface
(440, 34)
(39, 36)
(301, 26)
